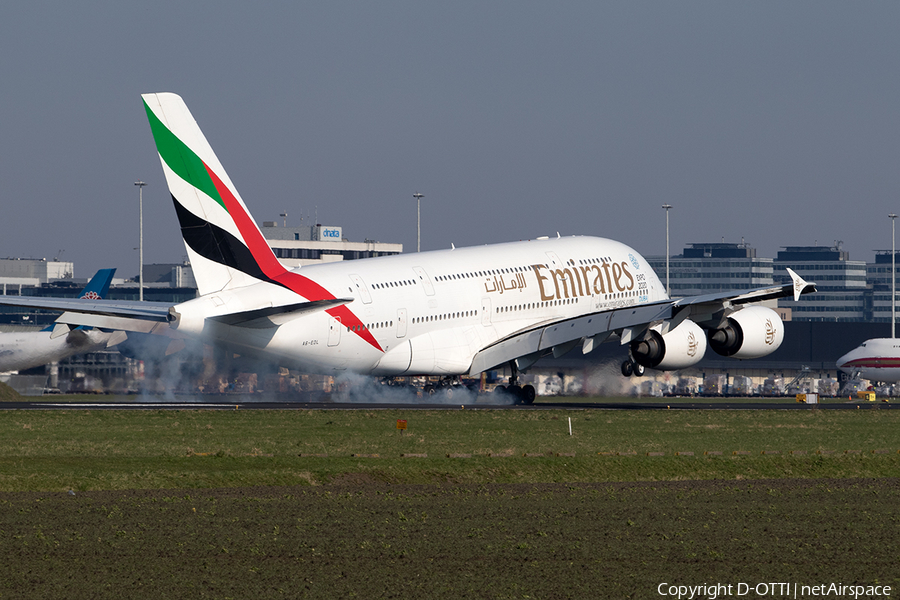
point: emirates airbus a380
(445, 313)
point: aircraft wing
(107, 314)
(630, 323)
(153, 317)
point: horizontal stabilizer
(273, 316)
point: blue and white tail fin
(96, 289)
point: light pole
(418, 198)
(667, 207)
(141, 185)
(893, 218)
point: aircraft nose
(842, 362)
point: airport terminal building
(848, 291)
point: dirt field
(360, 538)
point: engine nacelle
(751, 332)
(680, 348)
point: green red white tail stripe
(226, 248)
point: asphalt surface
(240, 403)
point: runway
(217, 403)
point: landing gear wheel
(516, 393)
(637, 369)
(528, 394)
(627, 368)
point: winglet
(800, 286)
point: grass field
(450, 541)
(244, 504)
(119, 450)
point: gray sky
(777, 122)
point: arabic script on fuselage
(572, 281)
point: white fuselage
(25, 350)
(430, 312)
(877, 359)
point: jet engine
(751, 332)
(680, 348)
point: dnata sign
(332, 234)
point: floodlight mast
(140, 185)
(893, 218)
(668, 290)
(418, 198)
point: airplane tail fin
(226, 248)
(98, 287)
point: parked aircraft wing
(147, 317)
(97, 313)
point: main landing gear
(448, 386)
(521, 394)
(629, 368)
(400, 390)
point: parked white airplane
(27, 349)
(877, 359)
(448, 313)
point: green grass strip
(97, 450)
